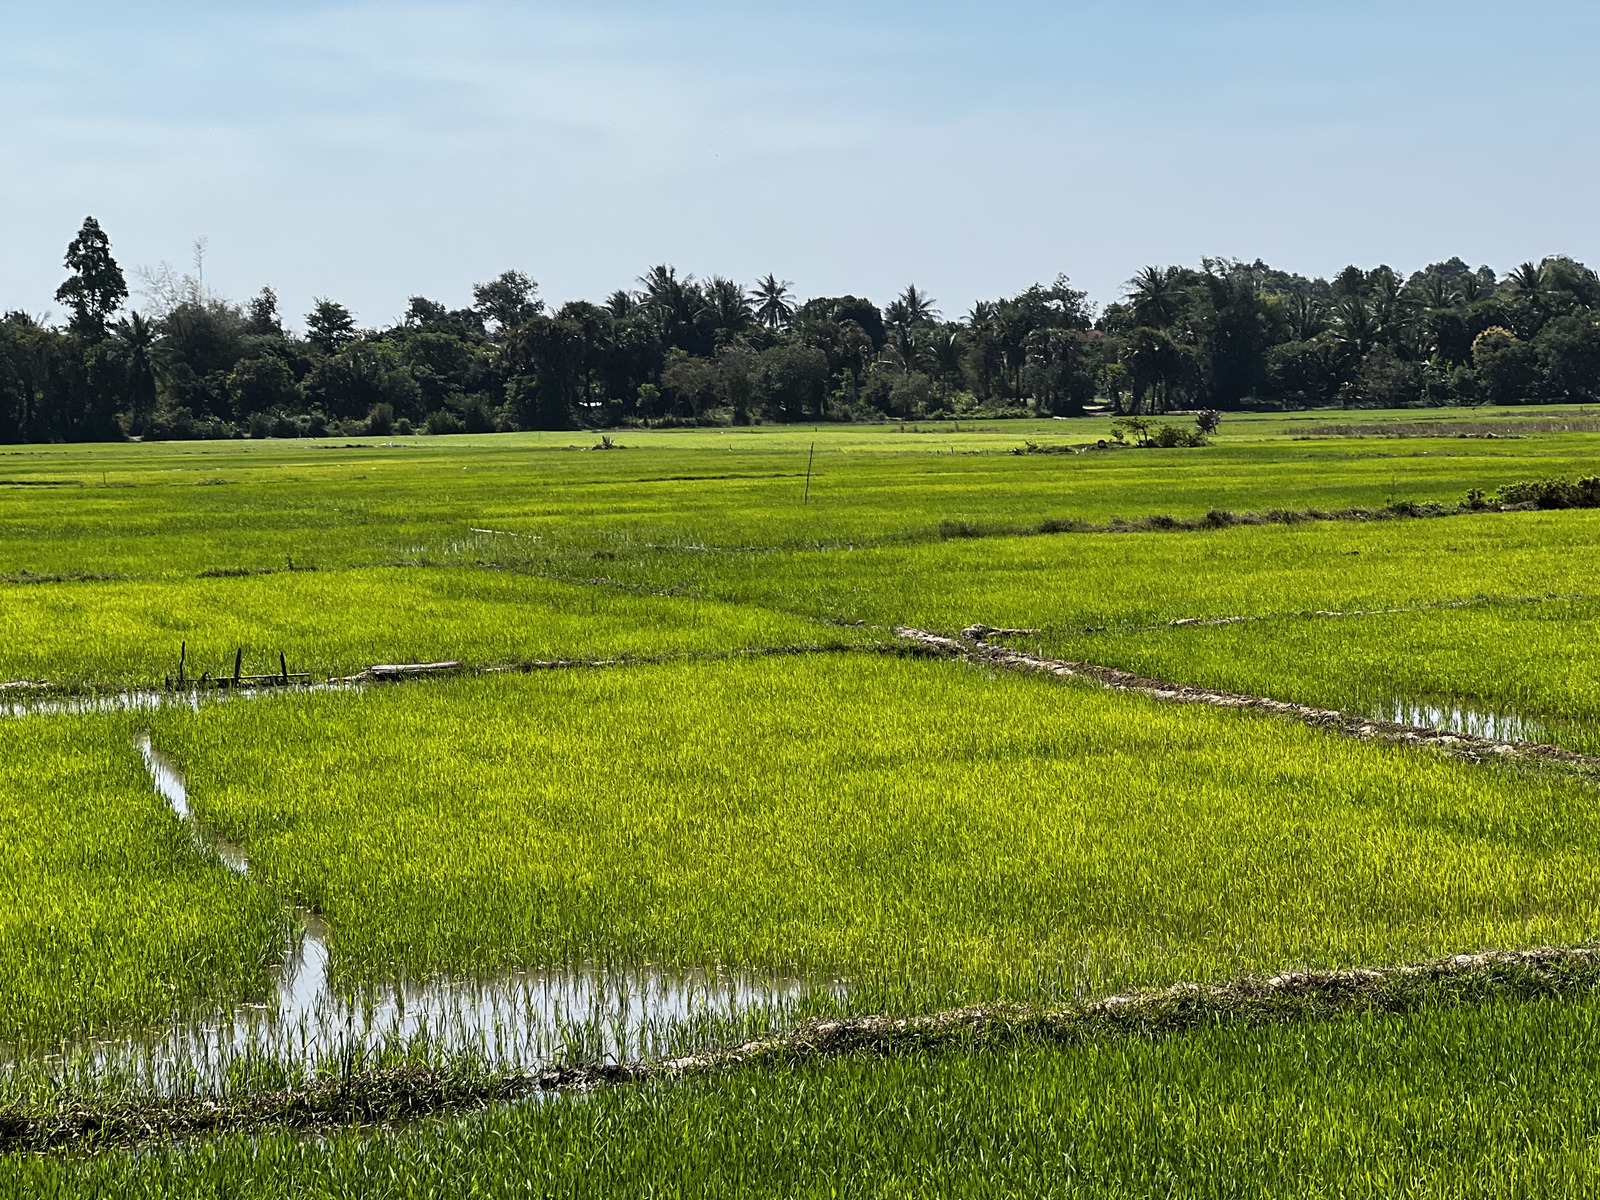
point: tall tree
(96, 288)
(330, 325)
(506, 301)
(727, 309)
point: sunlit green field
(769, 786)
(335, 623)
(1536, 661)
(1487, 1102)
(109, 913)
(179, 509)
(930, 834)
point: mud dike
(974, 646)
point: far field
(683, 734)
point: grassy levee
(331, 623)
(1536, 662)
(1494, 1101)
(930, 834)
(110, 915)
(175, 510)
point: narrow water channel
(516, 1020)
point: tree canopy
(675, 348)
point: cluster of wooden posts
(283, 678)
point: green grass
(1488, 1102)
(1538, 660)
(109, 914)
(1062, 583)
(179, 509)
(339, 622)
(930, 833)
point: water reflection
(515, 1020)
(1459, 717)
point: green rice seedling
(110, 913)
(1073, 582)
(927, 833)
(179, 510)
(1494, 1101)
(1527, 669)
(336, 623)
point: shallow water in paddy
(513, 1020)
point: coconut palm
(726, 308)
(915, 306)
(1156, 296)
(1527, 282)
(773, 306)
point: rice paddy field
(686, 781)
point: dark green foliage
(1553, 493)
(1224, 336)
(96, 288)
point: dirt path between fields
(972, 647)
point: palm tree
(727, 308)
(915, 306)
(1306, 317)
(773, 306)
(1156, 296)
(1353, 323)
(139, 339)
(1436, 291)
(1527, 282)
(672, 303)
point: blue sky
(371, 151)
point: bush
(442, 421)
(1552, 493)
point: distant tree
(673, 305)
(792, 381)
(773, 307)
(737, 365)
(138, 340)
(1506, 367)
(1156, 295)
(422, 312)
(621, 303)
(726, 309)
(1569, 358)
(911, 308)
(261, 315)
(264, 383)
(96, 288)
(692, 382)
(1526, 283)
(330, 326)
(506, 302)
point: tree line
(1225, 335)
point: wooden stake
(283, 665)
(806, 499)
(238, 661)
(183, 653)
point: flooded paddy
(515, 1020)
(1473, 719)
